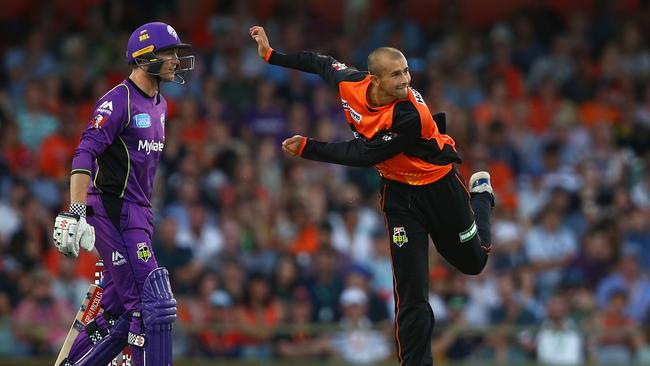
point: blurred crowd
(274, 257)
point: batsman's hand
(293, 145)
(259, 35)
(71, 232)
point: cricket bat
(89, 309)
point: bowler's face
(395, 77)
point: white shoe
(480, 182)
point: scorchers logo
(150, 145)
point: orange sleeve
(268, 55)
(302, 146)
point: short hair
(375, 66)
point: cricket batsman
(111, 182)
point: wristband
(78, 208)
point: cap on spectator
(353, 296)
(221, 299)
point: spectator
(286, 278)
(359, 277)
(301, 340)
(511, 314)
(455, 343)
(57, 149)
(222, 339)
(629, 278)
(593, 262)
(635, 228)
(558, 341)
(549, 247)
(618, 339)
(40, 318)
(177, 259)
(34, 121)
(357, 343)
(325, 286)
(10, 212)
(380, 267)
(353, 225)
(259, 315)
(67, 286)
(201, 235)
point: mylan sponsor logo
(150, 145)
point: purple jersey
(123, 143)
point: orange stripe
(267, 56)
(399, 344)
(462, 184)
(302, 146)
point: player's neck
(145, 82)
(376, 98)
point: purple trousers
(128, 259)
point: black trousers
(459, 225)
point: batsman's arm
(79, 184)
(329, 69)
(110, 117)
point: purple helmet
(150, 38)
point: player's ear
(374, 79)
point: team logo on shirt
(338, 66)
(106, 107)
(118, 258)
(98, 121)
(162, 120)
(142, 120)
(143, 252)
(399, 236)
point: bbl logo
(143, 252)
(399, 236)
